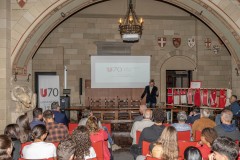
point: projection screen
(120, 71)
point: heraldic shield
(21, 3)
(191, 42)
(176, 42)
(162, 41)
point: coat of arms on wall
(208, 43)
(191, 42)
(162, 41)
(176, 42)
(21, 3)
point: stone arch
(209, 12)
(176, 62)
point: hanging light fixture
(131, 26)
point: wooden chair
(182, 145)
(98, 147)
(198, 135)
(145, 148)
(184, 135)
(108, 126)
(138, 133)
(71, 127)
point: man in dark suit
(152, 92)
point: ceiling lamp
(130, 27)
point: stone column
(5, 62)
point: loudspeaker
(80, 86)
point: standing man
(152, 92)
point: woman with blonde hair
(97, 134)
(169, 142)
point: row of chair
(72, 126)
(182, 135)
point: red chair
(182, 145)
(184, 135)
(145, 148)
(41, 159)
(71, 127)
(108, 126)
(98, 147)
(56, 144)
(138, 133)
(166, 124)
(198, 135)
(23, 145)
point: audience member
(37, 117)
(5, 147)
(207, 138)
(142, 109)
(97, 134)
(59, 117)
(85, 114)
(193, 116)
(66, 149)
(140, 125)
(39, 149)
(192, 153)
(181, 125)
(56, 131)
(224, 148)
(169, 142)
(150, 134)
(13, 132)
(203, 122)
(81, 137)
(234, 107)
(227, 128)
(25, 129)
(157, 151)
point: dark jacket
(151, 134)
(16, 149)
(192, 119)
(60, 117)
(230, 131)
(235, 108)
(151, 97)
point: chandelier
(131, 26)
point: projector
(130, 37)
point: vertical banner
(48, 91)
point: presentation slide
(120, 71)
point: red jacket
(205, 150)
(101, 135)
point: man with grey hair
(181, 125)
(203, 122)
(142, 109)
(227, 129)
(140, 125)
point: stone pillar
(5, 62)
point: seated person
(181, 125)
(140, 125)
(5, 147)
(150, 134)
(59, 117)
(97, 134)
(142, 109)
(56, 131)
(13, 132)
(84, 149)
(224, 148)
(192, 153)
(207, 137)
(203, 122)
(227, 129)
(66, 149)
(85, 114)
(193, 116)
(37, 117)
(39, 149)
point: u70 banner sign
(48, 91)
